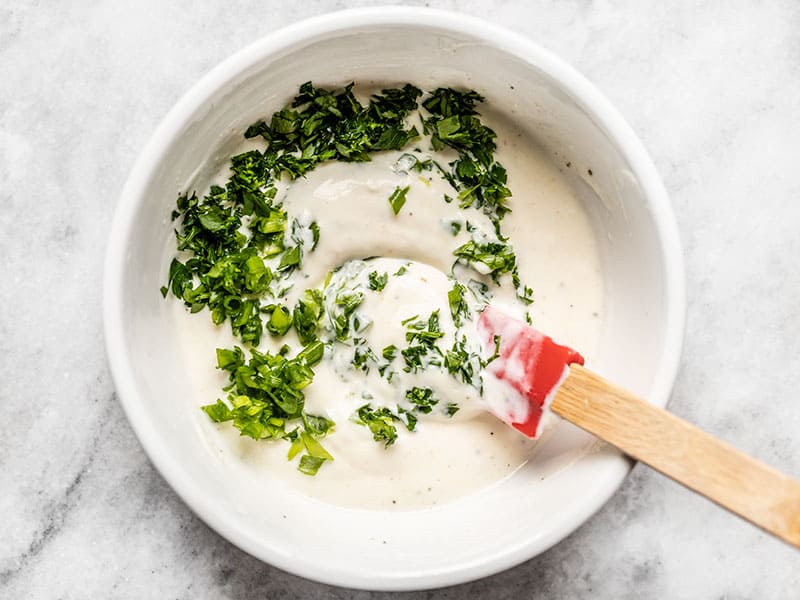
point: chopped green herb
(461, 363)
(343, 320)
(378, 282)
(458, 303)
(380, 423)
(226, 269)
(316, 425)
(280, 321)
(411, 418)
(312, 353)
(422, 399)
(418, 357)
(309, 465)
(424, 332)
(239, 247)
(496, 258)
(524, 293)
(218, 412)
(290, 259)
(398, 198)
(455, 122)
(496, 354)
(230, 360)
(314, 235)
(362, 355)
(307, 313)
(314, 448)
(296, 447)
(265, 395)
(422, 335)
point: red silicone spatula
(552, 376)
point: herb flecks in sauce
(239, 253)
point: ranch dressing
(446, 457)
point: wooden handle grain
(683, 452)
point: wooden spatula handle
(683, 452)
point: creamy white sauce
(445, 457)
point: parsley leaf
(343, 318)
(411, 418)
(218, 412)
(461, 363)
(524, 293)
(398, 198)
(280, 320)
(265, 394)
(422, 335)
(493, 258)
(425, 332)
(458, 303)
(422, 399)
(309, 465)
(378, 282)
(362, 354)
(226, 270)
(380, 423)
(238, 255)
(451, 409)
(306, 315)
(454, 122)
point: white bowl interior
(479, 534)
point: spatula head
(528, 361)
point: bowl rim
(584, 93)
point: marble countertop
(712, 88)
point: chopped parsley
(265, 398)
(398, 198)
(389, 352)
(458, 303)
(306, 315)
(323, 125)
(424, 331)
(343, 317)
(378, 281)
(380, 422)
(454, 122)
(495, 258)
(362, 355)
(239, 252)
(421, 336)
(461, 363)
(524, 293)
(422, 399)
(411, 418)
(280, 320)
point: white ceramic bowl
(642, 267)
